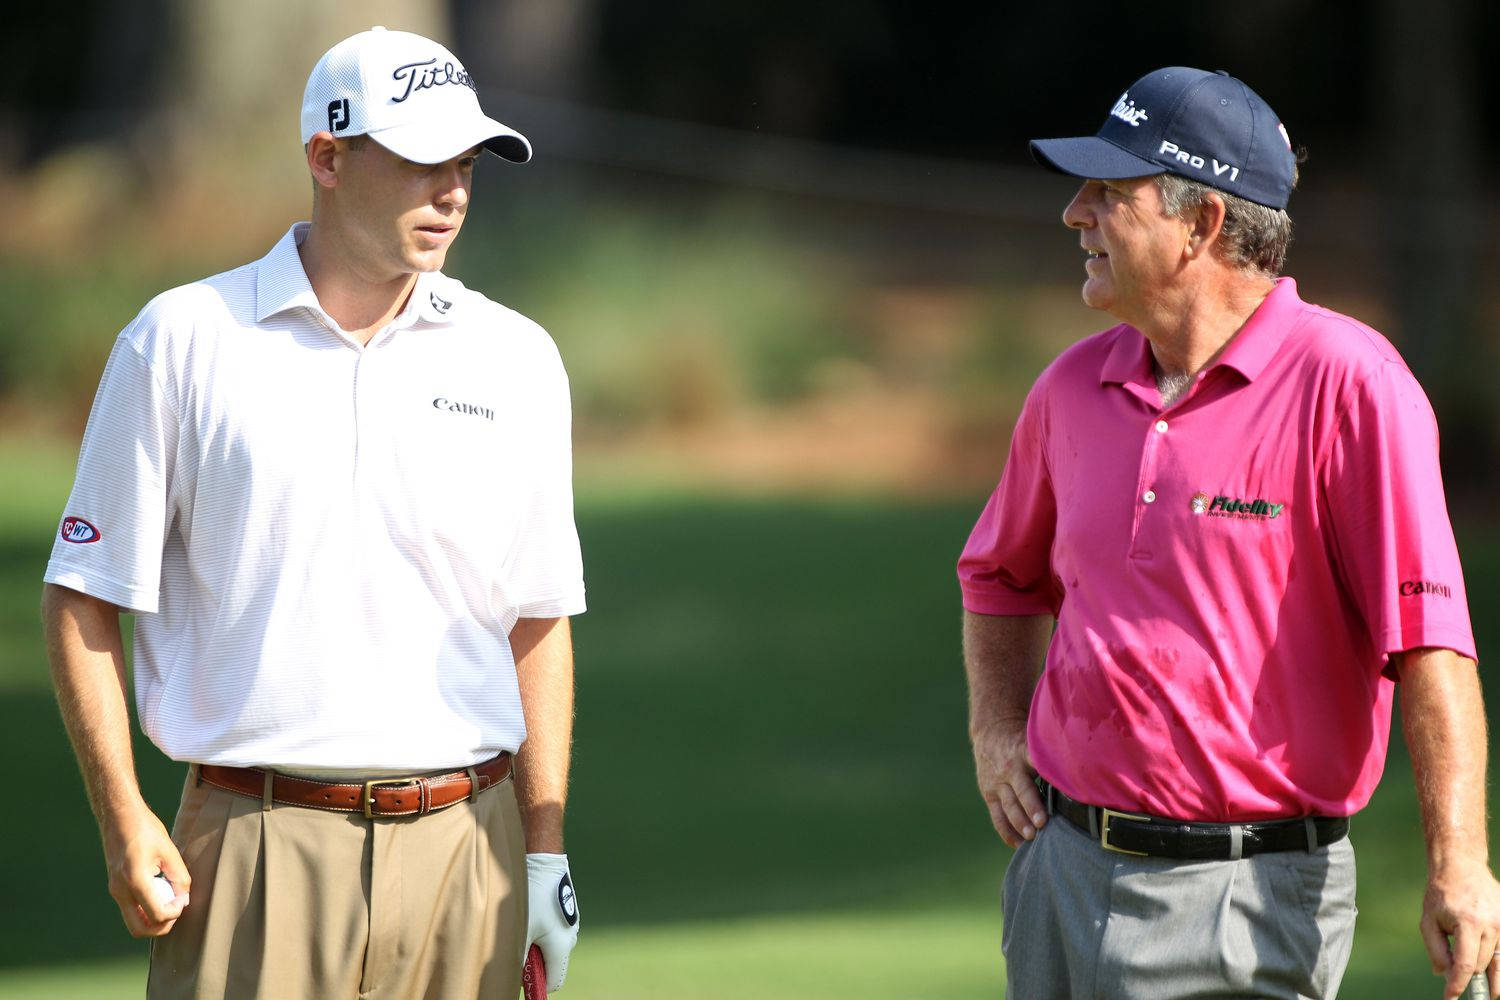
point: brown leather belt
(377, 797)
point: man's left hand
(552, 921)
(1462, 903)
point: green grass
(772, 788)
(849, 957)
(102, 979)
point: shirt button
(1161, 427)
(1150, 496)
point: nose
(453, 190)
(1077, 215)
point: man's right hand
(1005, 775)
(86, 652)
(135, 849)
(1003, 658)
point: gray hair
(1254, 237)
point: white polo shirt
(328, 544)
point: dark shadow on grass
(58, 908)
(771, 712)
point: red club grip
(534, 976)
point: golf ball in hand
(162, 889)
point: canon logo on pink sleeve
(1411, 588)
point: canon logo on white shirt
(454, 407)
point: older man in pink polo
(1218, 550)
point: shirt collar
(1249, 350)
(1257, 342)
(1129, 360)
(281, 284)
(280, 281)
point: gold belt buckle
(1105, 815)
(370, 786)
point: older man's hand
(1462, 903)
(1003, 767)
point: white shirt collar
(280, 280)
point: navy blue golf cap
(1207, 127)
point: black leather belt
(1133, 833)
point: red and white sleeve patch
(76, 529)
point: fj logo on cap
(338, 114)
(1126, 111)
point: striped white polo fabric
(327, 544)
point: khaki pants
(290, 902)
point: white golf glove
(552, 922)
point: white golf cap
(406, 92)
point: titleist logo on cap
(1126, 111)
(416, 78)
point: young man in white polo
(335, 487)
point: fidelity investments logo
(1245, 510)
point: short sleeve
(1006, 566)
(544, 577)
(1393, 541)
(110, 541)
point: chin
(1094, 298)
(429, 260)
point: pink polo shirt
(1229, 573)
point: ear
(323, 155)
(1206, 224)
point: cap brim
(439, 140)
(1091, 156)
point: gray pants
(1083, 923)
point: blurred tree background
(749, 225)
(802, 272)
